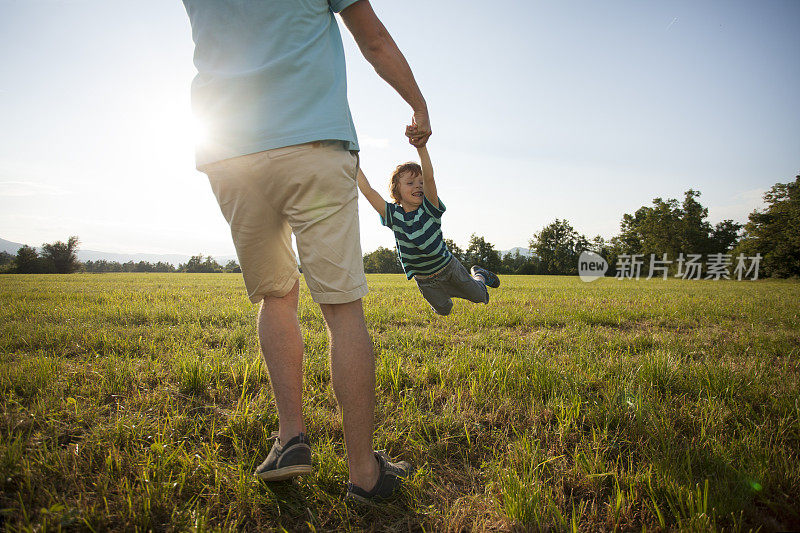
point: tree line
(197, 264)
(665, 227)
(60, 258)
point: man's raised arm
(380, 50)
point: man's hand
(420, 129)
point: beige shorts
(309, 190)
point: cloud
(756, 196)
(744, 202)
(27, 188)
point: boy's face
(410, 190)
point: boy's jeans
(452, 281)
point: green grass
(139, 402)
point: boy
(415, 218)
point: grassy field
(139, 402)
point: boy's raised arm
(428, 184)
(375, 199)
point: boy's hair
(394, 183)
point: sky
(577, 110)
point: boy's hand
(420, 129)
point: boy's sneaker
(390, 479)
(491, 278)
(286, 461)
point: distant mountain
(175, 259)
(9, 247)
(522, 251)
(93, 255)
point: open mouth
(417, 194)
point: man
(280, 155)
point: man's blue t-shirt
(270, 73)
(418, 235)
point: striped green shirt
(418, 235)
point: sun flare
(198, 131)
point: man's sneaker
(390, 479)
(285, 461)
(491, 278)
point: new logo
(591, 266)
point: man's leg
(353, 376)
(282, 348)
